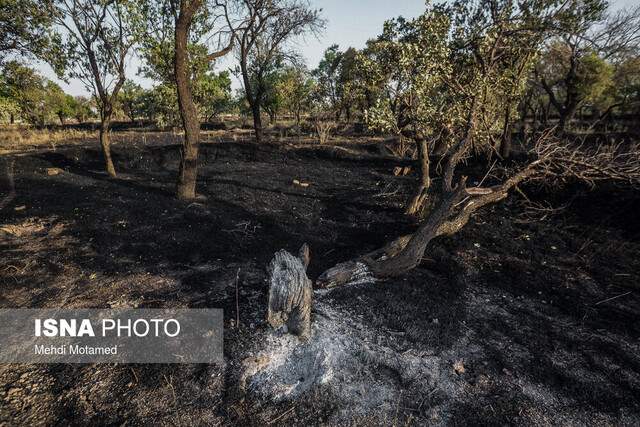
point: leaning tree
(483, 46)
(97, 36)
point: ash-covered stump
(290, 292)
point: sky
(350, 23)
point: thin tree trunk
(187, 175)
(425, 181)
(257, 121)
(105, 143)
(505, 141)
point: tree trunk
(12, 118)
(452, 212)
(406, 252)
(105, 143)
(187, 175)
(257, 121)
(566, 115)
(425, 181)
(505, 140)
(290, 292)
(252, 99)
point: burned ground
(512, 320)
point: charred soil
(514, 320)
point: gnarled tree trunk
(452, 211)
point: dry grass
(22, 137)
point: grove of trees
(460, 81)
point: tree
(60, 103)
(327, 77)
(175, 35)
(97, 37)
(570, 80)
(273, 99)
(412, 62)
(268, 26)
(456, 56)
(212, 94)
(25, 88)
(336, 77)
(185, 14)
(627, 83)
(130, 100)
(576, 64)
(8, 106)
(84, 109)
(295, 87)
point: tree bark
(105, 143)
(290, 292)
(188, 172)
(257, 122)
(452, 212)
(505, 140)
(406, 252)
(416, 204)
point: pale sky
(350, 23)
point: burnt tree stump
(290, 292)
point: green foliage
(211, 91)
(627, 83)
(37, 100)
(295, 87)
(26, 89)
(84, 109)
(59, 103)
(130, 99)
(212, 94)
(161, 105)
(594, 76)
(453, 71)
(339, 80)
(584, 76)
(25, 28)
(411, 62)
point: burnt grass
(541, 310)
